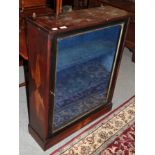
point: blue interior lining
(84, 65)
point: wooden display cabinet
(73, 66)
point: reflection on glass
(84, 65)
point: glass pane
(84, 65)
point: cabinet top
(79, 19)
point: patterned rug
(112, 135)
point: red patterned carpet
(112, 135)
(122, 145)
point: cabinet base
(37, 138)
(46, 144)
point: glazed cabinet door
(83, 73)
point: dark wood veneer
(28, 12)
(26, 9)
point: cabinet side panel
(38, 51)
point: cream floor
(125, 88)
